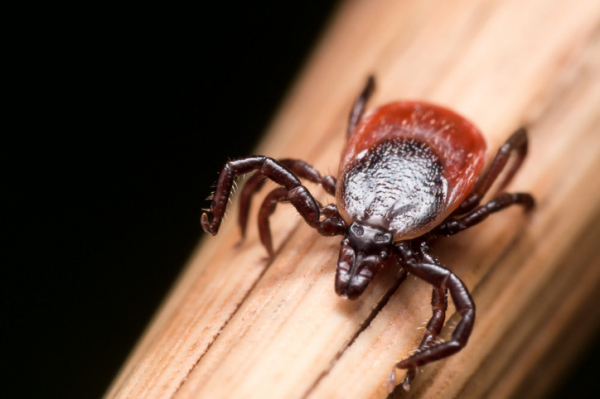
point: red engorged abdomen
(458, 144)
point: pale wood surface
(239, 325)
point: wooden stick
(240, 325)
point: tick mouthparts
(350, 283)
(344, 270)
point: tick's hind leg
(517, 142)
(442, 278)
(301, 169)
(359, 105)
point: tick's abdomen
(397, 185)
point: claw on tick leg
(406, 384)
(391, 381)
(206, 224)
(410, 375)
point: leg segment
(478, 215)
(442, 278)
(359, 105)
(439, 304)
(301, 169)
(333, 223)
(518, 143)
(268, 167)
(266, 210)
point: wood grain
(239, 325)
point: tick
(411, 172)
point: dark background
(123, 118)
(126, 117)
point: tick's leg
(266, 210)
(268, 167)
(443, 278)
(359, 105)
(305, 171)
(450, 227)
(301, 169)
(251, 186)
(518, 143)
(439, 304)
(332, 224)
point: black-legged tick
(410, 172)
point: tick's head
(364, 251)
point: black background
(123, 118)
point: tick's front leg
(300, 169)
(292, 191)
(332, 224)
(268, 167)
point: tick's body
(411, 172)
(407, 166)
